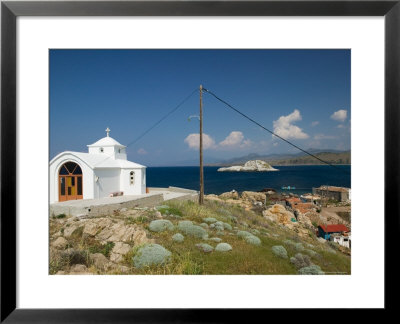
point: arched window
(101, 149)
(132, 177)
(70, 181)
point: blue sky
(302, 95)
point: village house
(102, 172)
(340, 194)
(326, 231)
(343, 240)
(299, 207)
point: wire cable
(157, 123)
(280, 137)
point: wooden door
(70, 186)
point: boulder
(78, 268)
(60, 243)
(121, 248)
(280, 251)
(223, 247)
(253, 197)
(115, 257)
(151, 254)
(161, 225)
(100, 261)
(229, 195)
(120, 232)
(278, 213)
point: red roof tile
(334, 228)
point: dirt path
(331, 214)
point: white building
(102, 171)
(342, 240)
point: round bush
(151, 254)
(210, 220)
(299, 247)
(243, 234)
(311, 270)
(223, 247)
(161, 225)
(215, 239)
(252, 240)
(280, 251)
(204, 225)
(301, 261)
(178, 237)
(227, 226)
(312, 253)
(206, 248)
(188, 228)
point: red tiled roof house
(325, 231)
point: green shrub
(311, 270)
(178, 237)
(301, 261)
(151, 254)
(188, 228)
(253, 240)
(60, 216)
(223, 247)
(206, 248)
(103, 249)
(161, 225)
(280, 251)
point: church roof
(96, 161)
(107, 141)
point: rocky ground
(229, 234)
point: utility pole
(201, 197)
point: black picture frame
(10, 10)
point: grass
(244, 258)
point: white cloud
(235, 139)
(284, 126)
(193, 140)
(340, 126)
(142, 151)
(339, 115)
(323, 137)
(314, 123)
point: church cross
(108, 132)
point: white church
(102, 172)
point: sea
(302, 177)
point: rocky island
(249, 166)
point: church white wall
(108, 182)
(138, 188)
(87, 174)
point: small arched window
(101, 149)
(132, 177)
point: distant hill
(331, 156)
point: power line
(157, 123)
(166, 116)
(283, 139)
